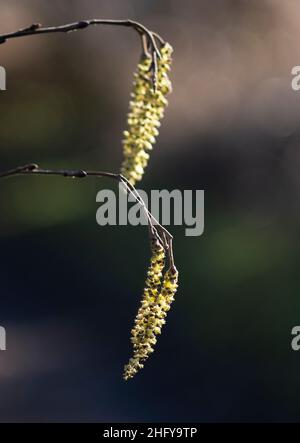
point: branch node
(34, 26)
(31, 167)
(83, 24)
(78, 173)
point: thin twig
(157, 230)
(150, 37)
(36, 28)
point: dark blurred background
(70, 289)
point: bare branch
(36, 29)
(145, 33)
(156, 229)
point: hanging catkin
(146, 109)
(157, 298)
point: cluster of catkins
(158, 295)
(146, 109)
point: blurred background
(70, 289)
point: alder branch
(156, 230)
(149, 39)
(36, 28)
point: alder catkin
(146, 109)
(156, 302)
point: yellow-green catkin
(151, 316)
(142, 336)
(146, 109)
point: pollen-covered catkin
(151, 315)
(146, 109)
(142, 336)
